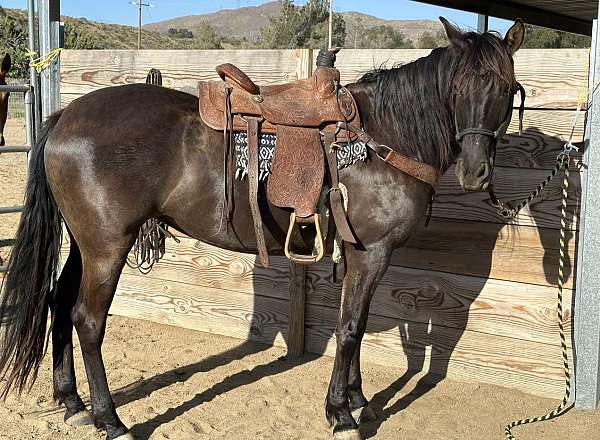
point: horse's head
(483, 85)
(4, 68)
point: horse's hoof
(127, 436)
(82, 418)
(364, 415)
(352, 434)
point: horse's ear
(515, 36)
(455, 36)
(5, 65)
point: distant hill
(247, 23)
(95, 35)
(235, 23)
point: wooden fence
(468, 297)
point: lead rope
(562, 164)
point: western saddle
(309, 117)
(301, 114)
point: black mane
(416, 100)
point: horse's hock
(467, 297)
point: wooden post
(304, 66)
(297, 304)
(297, 288)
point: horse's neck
(423, 123)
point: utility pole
(330, 24)
(140, 4)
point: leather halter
(501, 131)
(419, 170)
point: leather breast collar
(419, 170)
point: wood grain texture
(494, 307)
(202, 308)
(531, 367)
(478, 305)
(470, 356)
(544, 134)
(488, 250)
(85, 70)
(297, 300)
(552, 78)
(511, 185)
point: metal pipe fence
(16, 103)
(25, 92)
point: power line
(140, 4)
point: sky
(120, 11)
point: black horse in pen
(119, 156)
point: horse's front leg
(359, 405)
(364, 270)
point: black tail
(32, 270)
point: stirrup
(319, 247)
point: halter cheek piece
(501, 131)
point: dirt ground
(171, 383)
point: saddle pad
(298, 170)
(347, 154)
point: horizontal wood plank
(552, 78)
(478, 305)
(544, 135)
(513, 310)
(511, 185)
(532, 367)
(206, 309)
(85, 70)
(470, 356)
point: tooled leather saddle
(307, 117)
(303, 115)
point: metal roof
(567, 15)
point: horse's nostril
(483, 171)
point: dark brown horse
(120, 156)
(4, 68)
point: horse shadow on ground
(422, 327)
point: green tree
(206, 37)
(429, 41)
(80, 37)
(13, 40)
(302, 27)
(383, 37)
(538, 37)
(180, 33)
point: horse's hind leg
(65, 388)
(101, 271)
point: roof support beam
(511, 10)
(483, 23)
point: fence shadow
(428, 329)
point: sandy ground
(171, 383)
(13, 177)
